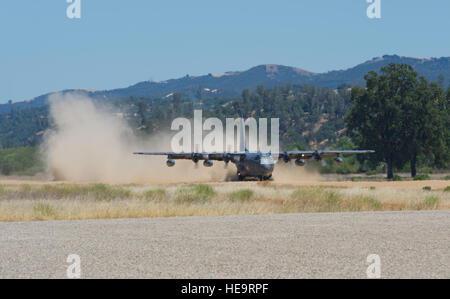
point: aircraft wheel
(241, 177)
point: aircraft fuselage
(259, 165)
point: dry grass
(23, 202)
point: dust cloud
(289, 173)
(90, 143)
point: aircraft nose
(267, 166)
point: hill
(231, 84)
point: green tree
(376, 118)
(400, 117)
(199, 93)
(177, 106)
(142, 113)
(424, 124)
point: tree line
(399, 114)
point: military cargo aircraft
(259, 165)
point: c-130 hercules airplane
(258, 165)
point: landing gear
(258, 178)
(240, 177)
(265, 178)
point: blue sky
(119, 43)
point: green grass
(44, 211)
(371, 172)
(158, 194)
(421, 177)
(107, 192)
(94, 191)
(96, 201)
(431, 202)
(241, 195)
(397, 178)
(3, 190)
(195, 194)
(323, 200)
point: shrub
(204, 191)
(241, 195)
(447, 189)
(421, 177)
(3, 190)
(397, 178)
(44, 210)
(357, 179)
(427, 169)
(431, 202)
(361, 203)
(20, 160)
(371, 172)
(157, 194)
(106, 192)
(426, 188)
(96, 191)
(196, 193)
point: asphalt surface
(326, 245)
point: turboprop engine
(208, 163)
(339, 160)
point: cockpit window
(266, 160)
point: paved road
(328, 245)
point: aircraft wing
(196, 156)
(319, 154)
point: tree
(400, 117)
(142, 113)
(424, 124)
(441, 80)
(376, 118)
(177, 107)
(437, 142)
(199, 93)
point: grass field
(57, 201)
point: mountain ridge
(230, 84)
